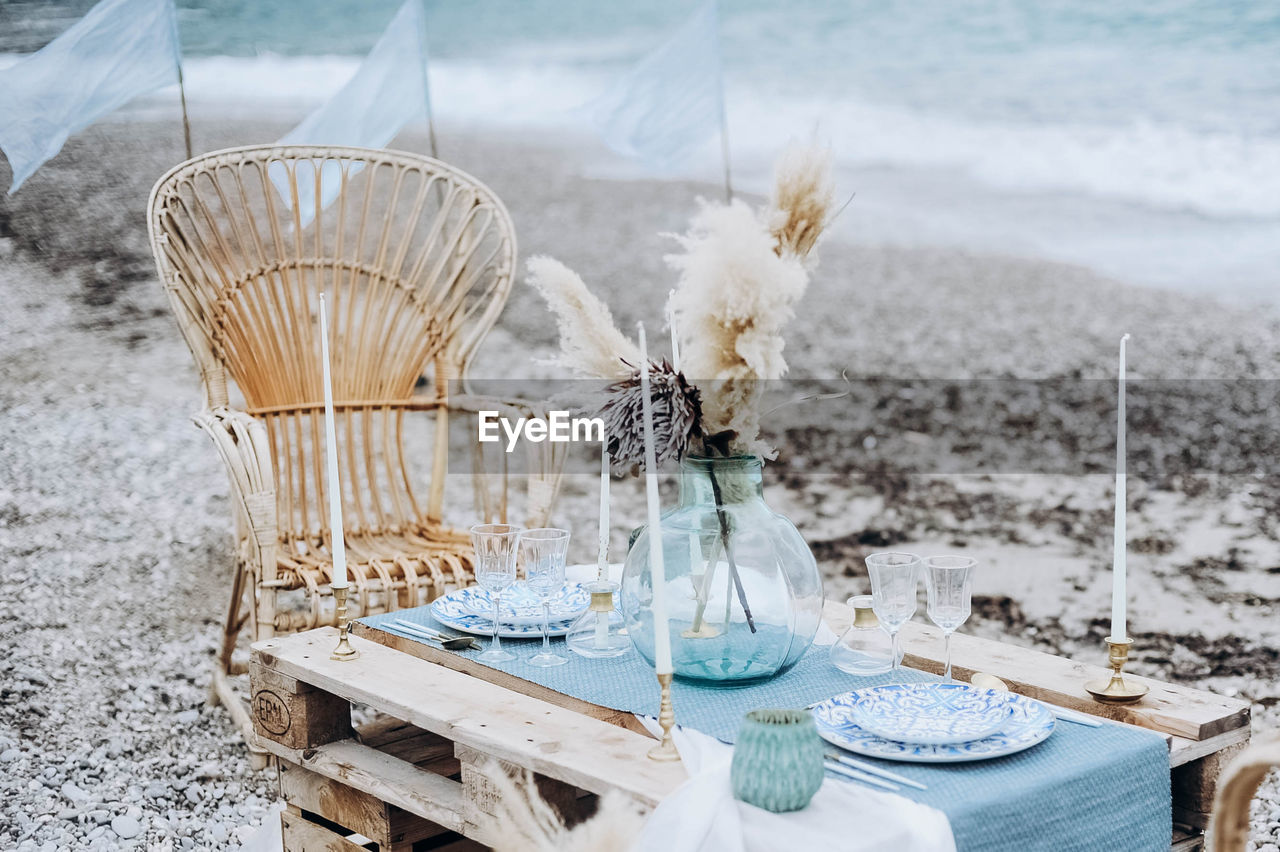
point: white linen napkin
(703, 816)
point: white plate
(521, 607)
(1030, 723)
(930, 713)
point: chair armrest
(1236, 789)
(475, 403)
(242, 443)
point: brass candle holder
(344, 651)
(1117, 690)
(665, 750)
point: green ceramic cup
(777, 760)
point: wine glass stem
(946, 644)
(546, 627)
(497, 612)
(894, 636)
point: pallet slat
(549, 740)
(430, 796)
(1168, 708)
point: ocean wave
(1157, 165)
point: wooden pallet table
(417, 778)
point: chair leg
(227, 696)
(221, 690)
(230, 630)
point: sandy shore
(115, 520)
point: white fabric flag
(388, 91)
(672, 101)
(120, 50)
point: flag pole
(724, 121)
(186, 122)
(426, 85)
(182, 88)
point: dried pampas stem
(524, 822)
(802, 198)
(590, 344)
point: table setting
(720, 600)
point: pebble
(99, 449)
(74, 793)
(126, 827)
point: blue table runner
(1095, 789)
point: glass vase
(743, 592)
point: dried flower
(590, 344)
(677, 416)
(734, 296)
(802, 198)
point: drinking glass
(894, 578)
(496, 548)
(544, 551)
(950, 583)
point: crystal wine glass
(545, 550)
(894, 578)
(950, 583)
(496, 547)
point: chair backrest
(416, 259)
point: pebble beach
(115, 542)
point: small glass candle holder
(596, 633)
(865, 648)
(777, 760)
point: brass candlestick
(1117, 690)
(665, 750)
(344, 651)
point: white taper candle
(602, 556)
(657, 570)
(338, 545)
(675, 337)
(1119, 625)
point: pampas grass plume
(524, 822)
(803, 195)
(590, 343)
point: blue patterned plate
(450, 611)
(930, 713)
(1030, 723)
(521, 607)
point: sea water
(1138, 137)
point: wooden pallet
(418, 778)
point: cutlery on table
(872, 769)
(449, 643)
(857, 775)
(982, 680)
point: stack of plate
(933, 722)
(470, 610)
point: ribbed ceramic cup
(777, 760)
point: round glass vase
(743, 592)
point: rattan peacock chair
(416, 259)
(1237, 787)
